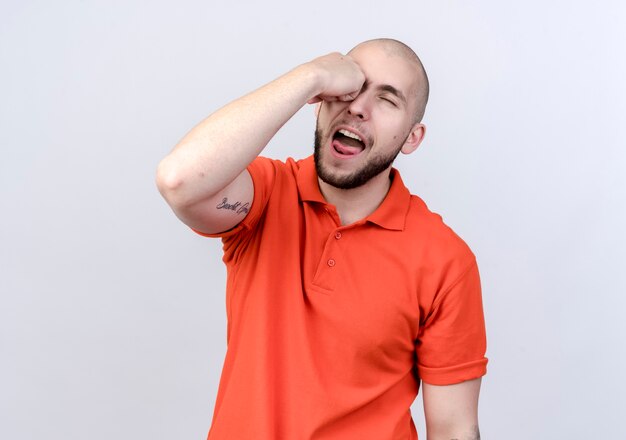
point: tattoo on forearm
(237, 207)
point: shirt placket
(331, 263)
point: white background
(112, 315)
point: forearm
(451, 411)
(218, 149)
(454, 433)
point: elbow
(179, 188)
(169, 181)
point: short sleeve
(263, 173)
(451, 345)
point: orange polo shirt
(331, 327)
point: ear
(415, 138)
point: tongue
(343, 148)
(347, 146)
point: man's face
(381, 116)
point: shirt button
(331, 262)
(337, 235)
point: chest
(361, 277)
(341, 301)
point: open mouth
(347, 143)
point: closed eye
(389, 101)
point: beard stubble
(370, 169)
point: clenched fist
(342, 78)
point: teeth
(350, 135)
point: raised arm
(451, 411)
(209, 163)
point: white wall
(112, 313)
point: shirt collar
(392, 212)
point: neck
(357, 203)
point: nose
(359, 108)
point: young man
(344, 291)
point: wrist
(314, 77)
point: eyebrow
(386, 88)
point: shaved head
(399, 49)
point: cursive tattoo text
(237, 207)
